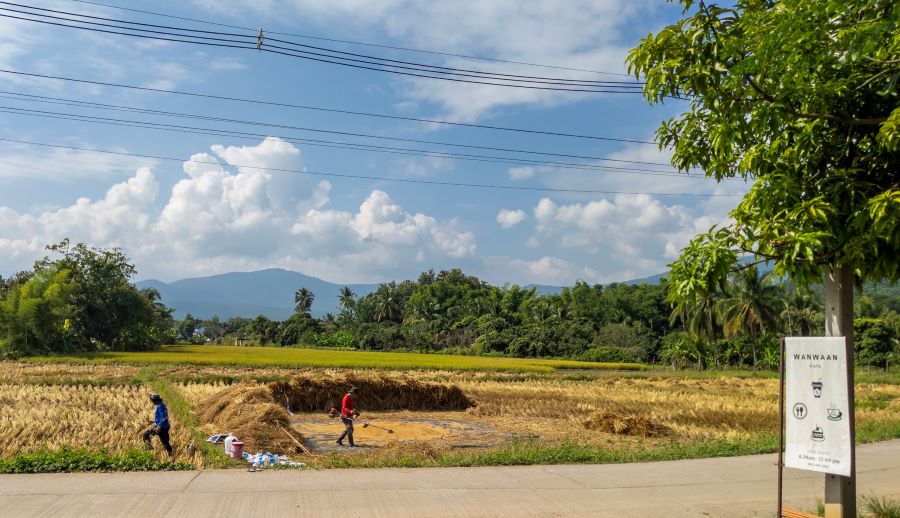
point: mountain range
(268, 292)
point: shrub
(66, 460)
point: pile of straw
(636, 425)
(250, 413)
(306, 394)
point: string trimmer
(388, 430)
(334, 413)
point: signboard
(816, 405)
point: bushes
(607, 355)
(66, 460)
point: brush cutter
(366, 425)
(334, 413)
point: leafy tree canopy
(800, 98)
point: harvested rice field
(437, 417)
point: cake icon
(818, 434)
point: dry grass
(249, 412)
(723, 408)
(640, 425)
(380, 392)
(54, 373)
(105, 406)
(33, 417)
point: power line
(375, 45)
(380, 65)
(253, 36)
(366, 177)
(319, 130)
(331, 110)
(327, 144)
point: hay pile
(636, 425)
(305, 394)
(250, 413)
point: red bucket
(237, 449)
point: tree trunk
(840, 492)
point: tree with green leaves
(387, 303)
(347, 301)
(304, 300)
(35, 316)
(750, 306)
(800, 98)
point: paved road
(732, 487)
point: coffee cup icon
(834, 413)
(817, 389)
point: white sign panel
(816, 405)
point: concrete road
(726, 487)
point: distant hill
(248, 294)
(271, 293)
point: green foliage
(881, 507)
(34, 317)
(801, 99)
(65, 460)
(876, 340)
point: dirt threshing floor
(448, 429)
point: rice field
(623, 415)
(35, 417)
(290, 357)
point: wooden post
(840, 492)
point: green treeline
(738, 325)
(83, 300)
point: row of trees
(81, 299)
(738, 324)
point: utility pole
(840, 492)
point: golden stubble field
(102, 406)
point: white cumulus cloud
(510, 218)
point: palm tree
(800, 312)
(387, 305)
(304, 299)
(750, 306)
(347, 300)
(702, 320)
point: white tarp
(816, 405)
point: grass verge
(211, 455)
(66, 460)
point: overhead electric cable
(315, 130)
(366, 177)
(327, 144)
(350, 42)
(334, 110)
(426, 71)
(253, 36)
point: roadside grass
(881, 507)
(529, 452)
(289, 357)
(65, 459)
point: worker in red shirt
(348, 412)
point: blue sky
(177, 219)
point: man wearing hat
(160, 426)
(348, 412)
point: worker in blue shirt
(160, 426)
